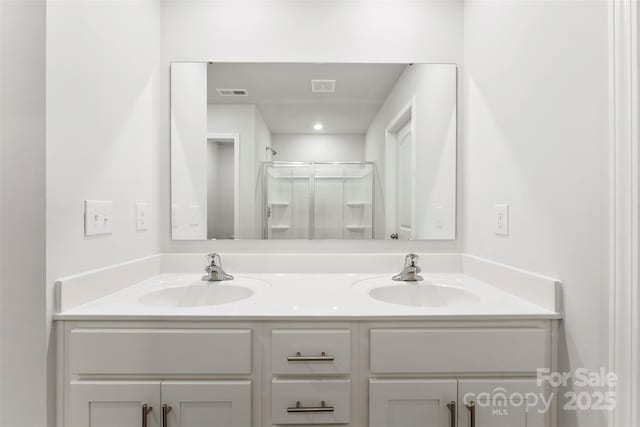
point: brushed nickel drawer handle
(145, 412)
(165, 412)
(299, 408)
(300, 358)
(472, 413)
(452, 409)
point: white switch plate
(194, 215)
(502, 220)
(98, 217)
(143, 220)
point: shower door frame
(312, 192)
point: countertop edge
(309, 318)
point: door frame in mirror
(235, 137)
(406, 114)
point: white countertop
(317, 296)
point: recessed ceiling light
(317, 126)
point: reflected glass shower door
(343, 202)
(287, 195)
(318, 200)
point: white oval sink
(423, 294)
(197, 295)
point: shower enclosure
(318, 200)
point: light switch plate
(143, 221)
(98, 217)
(502, 219)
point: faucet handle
(411, 260)
(213, 260)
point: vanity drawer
(300, 351)
(446, 350)
(160, 351)
(285, 395)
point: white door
(114, 403)
(207, 403)
(412, 403)
(503, 403)
(404, 183)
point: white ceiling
(283, 94)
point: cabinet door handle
(472, 413)
(300, 358)
(165, 411)
(452, 410)
(299, 408)
(145, 412)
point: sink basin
(423, 294)
(197, 295)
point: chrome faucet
(411, 271)
(214, 270)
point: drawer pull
(452, 409)
(472, 414)
(300, 358)
(165, 412)
(145, 412)
(322, 408)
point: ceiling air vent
(323, 86)
(232, 92)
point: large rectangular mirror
(313, 151)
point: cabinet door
(207, 403)
(503, 403)
(409, 403)
(113, 403)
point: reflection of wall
(263, 140)
(434, 87)
(318, 147)
(247, 122)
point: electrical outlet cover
(143, 220)
(502, 220)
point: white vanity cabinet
(160, 403)
(448, 374)
(159, 374)
(502, 403)
(318, 373)
(113, 403)
(412, 402)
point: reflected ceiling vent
(232, 92)
(323, 86)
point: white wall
(536, 138)
(340, 147)
(23, 326)
(361, 31)
(102, 96)
(434, 88)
